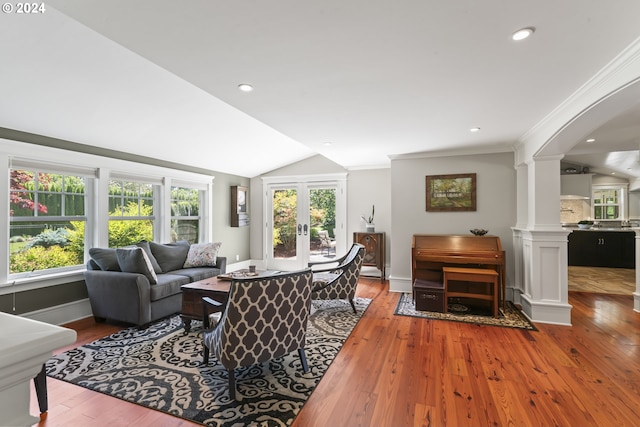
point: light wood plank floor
(619, 281)
(398, 371)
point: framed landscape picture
(449, 193)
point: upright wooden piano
(431, 252)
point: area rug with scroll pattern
(160, 367)
(509, 316)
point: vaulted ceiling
(356, 81)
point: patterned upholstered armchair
(339, 282)
(264, 318)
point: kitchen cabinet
(602, 248)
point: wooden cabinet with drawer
(374, 250)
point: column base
(546, 312)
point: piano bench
(476, 275)
(428, 295)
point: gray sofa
(138, 295)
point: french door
(305, 222)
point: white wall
(365, 189)
(235, 240)
(495, 196)
(634, 205)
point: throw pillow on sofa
(170, 256)
(135, 260)
(202, 255)
(145, 247)
(105, 258)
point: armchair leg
(206, 355)
(303, 360)
(353, 306)
(232, 384)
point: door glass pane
(322, 221)
(285, 223)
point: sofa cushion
(135, 260)
(105, 258)
(170, 256)
(197, 273)
(202, 255)
(168, 284)
(145, 247)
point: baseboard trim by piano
(546, 312)
(399, 284)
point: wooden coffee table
(214, 287)
(192, 294)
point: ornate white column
(636, 294)
(544, 294)
(522, 192)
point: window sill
(43, 280)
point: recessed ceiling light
(327, 143)
(476, 129)
(245, 87)
(590, 140)
(522, 33)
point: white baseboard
(62, 314)
(399, 284)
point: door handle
(299, 229)
(306, 229)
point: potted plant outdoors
(369, 225)
(585, 224)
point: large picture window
(185, 214)
(131, 212)
(61, 205)
(47, 220)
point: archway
(540, 242)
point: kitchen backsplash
(574, 210)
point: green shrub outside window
(47, 217)
(131, 212)
(185, 214)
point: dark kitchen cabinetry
(602, 248)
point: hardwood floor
(402, 371)
(619, 281)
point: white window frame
(156, 185)
(100, 169)
(52, 168)
(623, 205)
(201, 203)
